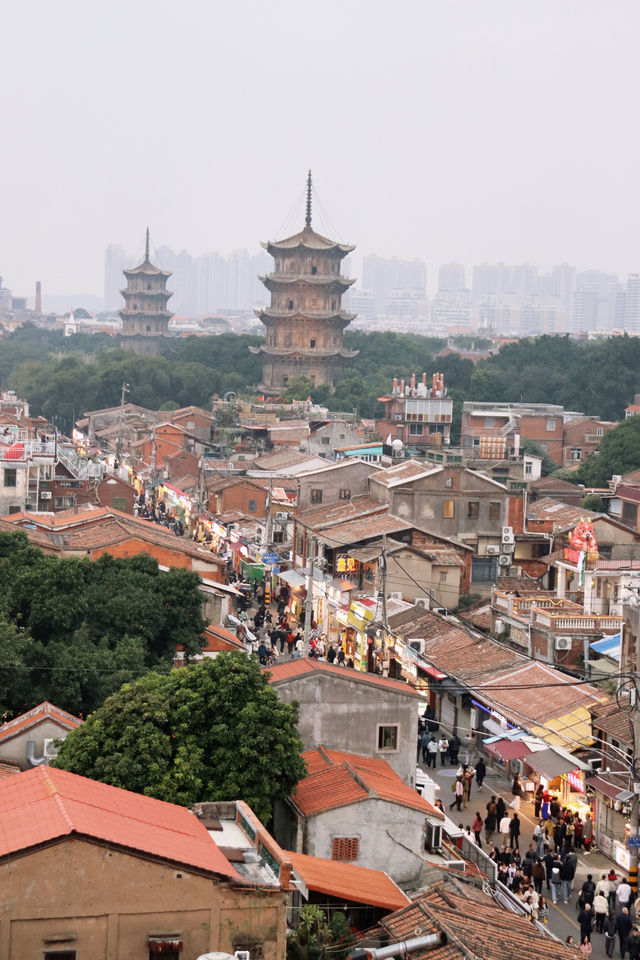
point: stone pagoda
(304, 320)
(145, 312)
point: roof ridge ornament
(307, 219)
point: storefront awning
(494, 727)
(508, 749)
(608, 646)
(431, 671)
(293, 578)
(550, 763)
(609, 789)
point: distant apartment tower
(305, 319)
(116, 259)
(145, 314)
(451, 278)
(388, 277)
(632, 304)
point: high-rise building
(145, 312)
(388, 277)
(116, 259)
(632, 304)
(451, 278)
(304, 320)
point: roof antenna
(146, 247)
(307, 219)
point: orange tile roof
(337, 779)
(45, 804)
(217, 638)
(281, 672)
(347, 881)
(44, 711)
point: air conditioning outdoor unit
(45, 495)
(417, 645)
(395, 596)
(498, 627)
(595, 762)
(508, 546)
(508, 537)
(492, 550)
(504, 561)
(563, 643)
(507, 532)
(281, 515)
(422, 602)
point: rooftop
(327, 516)
(46, 804)
(43, 711)
(347, 881)
(283, 672)
(402, 472)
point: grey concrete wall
(348, 476)
(343, 714)
(384, 830)
(15, 749)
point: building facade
(304, 320)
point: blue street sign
(270, 557)
(633, 842)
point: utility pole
(635, 770)
(120, 441)
(270, 515)
(308, 603)
(383, 572)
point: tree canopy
(618, 453)
(215, 730)
(73, 631)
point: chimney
(395, 387)
(413, 384)
(424, 379)
(39, 297)
(434, 384)
(402, 388)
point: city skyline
(480, 133)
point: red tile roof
(45, 804)
(44, 711)
(282, 672)
(338, 779)
(347, 881)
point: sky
(474, 130)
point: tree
(619, 453)
(210, 731)
(593, 502)
(298, 388)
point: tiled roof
(44, 711)
(366, 528)
(279, 459)
(45, 804)
(338, 779)
(283, 672)
(85, 513)
(561, 514)
(473, 924)
(614, 721)
(218, 638)
(555, 483)
(627, 492)
(347, 881)
(403, 472)
(8, 769)
(327, 516)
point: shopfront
(296, 583)
(612, 819)
(563, 776)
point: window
(488, 421)
(443, 576)
(415, 429)
(473, 509)
(316, 495)
(191, 424)
(599, 431)
(290, 304)
(576, 453)
(60, 955)
(528, 468)
(14, 509)
(119, 503)
(551, 425)
(312, 343)
(344, 848)
(254, 946)
(278, 536)
(448, 483)
(314, 271)
(345, 494)
(10, 477)
(484, 569)
(326, 441)
(253, 505)
(495, 511)
(388, 736)
(543, 446)
(397, 416)
(448, 509)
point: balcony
(567, 620)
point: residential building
(417, 415)
(634, 408)
(582, 437)
(495, 430)
(383, 277)
(154, 879)
(327, 438)
(305, 320)
(31, 738)
(353, 808)
(350, 710)
(341, 480)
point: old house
(30, 739)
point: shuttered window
(345, 848)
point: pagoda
(305, 320)
(145, 312)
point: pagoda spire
(307, 219)
(146, 247)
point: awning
(550, 763)
(431, 671)
(293, 578)
(494, 727)
(508, 749)
(609, 646)
(609, 789)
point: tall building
(387, 278)
(145, 312)
(632, 304)
(451, 278)
(304, 320)
(116, 259)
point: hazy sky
(473, 130)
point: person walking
(490, 820)
(424, 743)
(623, 929)
(538, 874)
(458, 790)
(588, 890)
(514, 832)
(566, 876)
(623, 894)
(443, 748)
(454, 749)
(504, 831)
(516, 790)
(476, 826)
(585, 919)
(501, 809)
(556, 879)
(609, 934)
(433, 752)
(481, 772)
(600, 910)
(537, 801)
(633, 945)
(587, 833)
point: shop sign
(345, 563)
(574, 778)
(622, 855)
(359, 615)
(633, 842)
(270, 557)
(573, 556)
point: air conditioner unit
(508, 547)
(422, 602)
(507, 532)
(439, 610)
(417, 645)
(395, 596)
(281, 515)
(564, 643)
(45, 495)
(49, 749)
(508, 538)
(498, 627)
(595, 762)
(492, 550)
(504, 561)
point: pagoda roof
(309, 240)
(148, 269)
(314, 280)
(300, 352)
(270, 314)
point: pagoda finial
(307, 219)
(146, 246)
